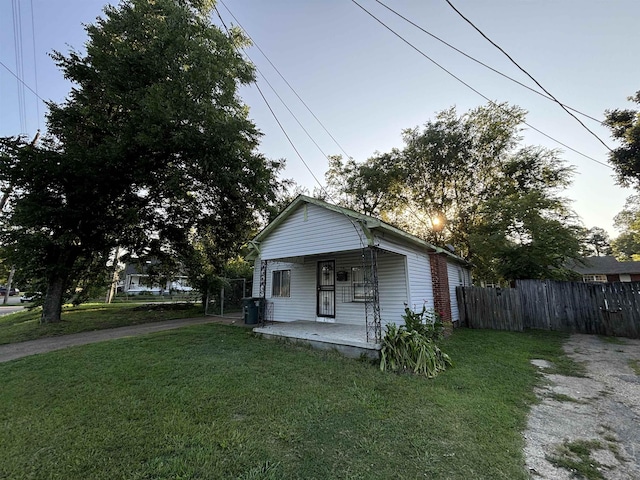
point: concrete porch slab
(349, 340)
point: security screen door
(326, 304)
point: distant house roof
(604, 266)
(370, 223)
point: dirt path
(13, 351)
(588, 425)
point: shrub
(412, 347)
(426, 323)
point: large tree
(625, 128)
(597, 242)
(466, 180)
(626, 246)
(152, 147)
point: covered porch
(348, 339)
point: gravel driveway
(590, 422)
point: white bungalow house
(328, 273)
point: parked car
(12, 292)
(29, 297)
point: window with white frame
(281, 283)
(594, 278)
(360, 289)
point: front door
(326, 303)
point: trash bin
(253, 309)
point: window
(359, 285)
(594, 278)
(281, 283)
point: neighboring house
(606, 269)
(322, 263)
(135, 281)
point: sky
(365, 85)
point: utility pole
(9, 281)
(114, 278)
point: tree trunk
(52, 306)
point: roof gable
(367, 223)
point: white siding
(458, 277)
(312, 230)
(301, 305)
(392, 287)
(420, 290)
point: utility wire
(482, 63)
(21, 81)
(322, 188)
(17, 45)
(284, 79)
(472, 88)
(35, 60)
(411, 211)
(528, 74)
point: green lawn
(215, 402)
(21, 326)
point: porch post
(262, 310)
(263, 279)
(372, 298)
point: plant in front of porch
(427, 322)
(412, 347)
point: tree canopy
(466, 180)
(152, 149)
(626, 246)
(625, 128)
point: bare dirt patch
(588, 427)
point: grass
(561, 397)
(635, 366)
(613, 340)
(576, 457)
(564, 365)
(213, 401)
(25, 325)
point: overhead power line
(479, 62)
(35, 59)
(527, 74)
(283, 103)
(22, 81)
(322, 188)
(17, 46)
(420, 219)
(284, 79)
(474, 89)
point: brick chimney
(440, 280)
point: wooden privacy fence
(597, 308)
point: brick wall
(440, 280)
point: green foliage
(626, 247)
(409, 350)
(597, 242)
(369, 187)
(576, 458)
(152, 151)
(427, 323)
(466, 180)
(625, 128)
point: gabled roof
(366, 221)
(605, 265)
